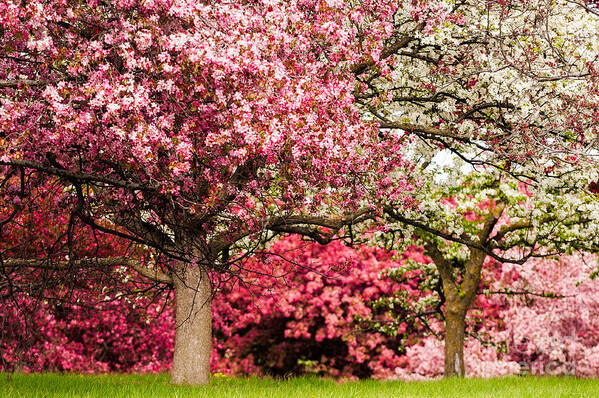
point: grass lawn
(154, 386)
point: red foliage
(113, 336)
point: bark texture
(455, 327)
(460, 283)
(193, 337)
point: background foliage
(317, 317)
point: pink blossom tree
(191, 129)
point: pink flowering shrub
(121, 335)
(97, 319)
(306, 322)
(559, 336)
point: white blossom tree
(466, 219)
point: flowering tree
(478, 217)
(190, 128)
(513, 80)
(509, 89)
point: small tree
(470, 219)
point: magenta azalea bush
(113, 336)
(307, 321)
(311, 319)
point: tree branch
(298, 224)
(467, 242)
(79, 176)
(152, 274)
(387, 51)
(23, 82)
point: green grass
(154, 386)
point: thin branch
(467, 242)
(24, 82)
(79, 176)
(152, 274)
(527, 293)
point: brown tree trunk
(455, 327)
(193, 336)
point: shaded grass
(155, 386)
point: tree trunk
(459, 297)
(455, 327)
(193, 336)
